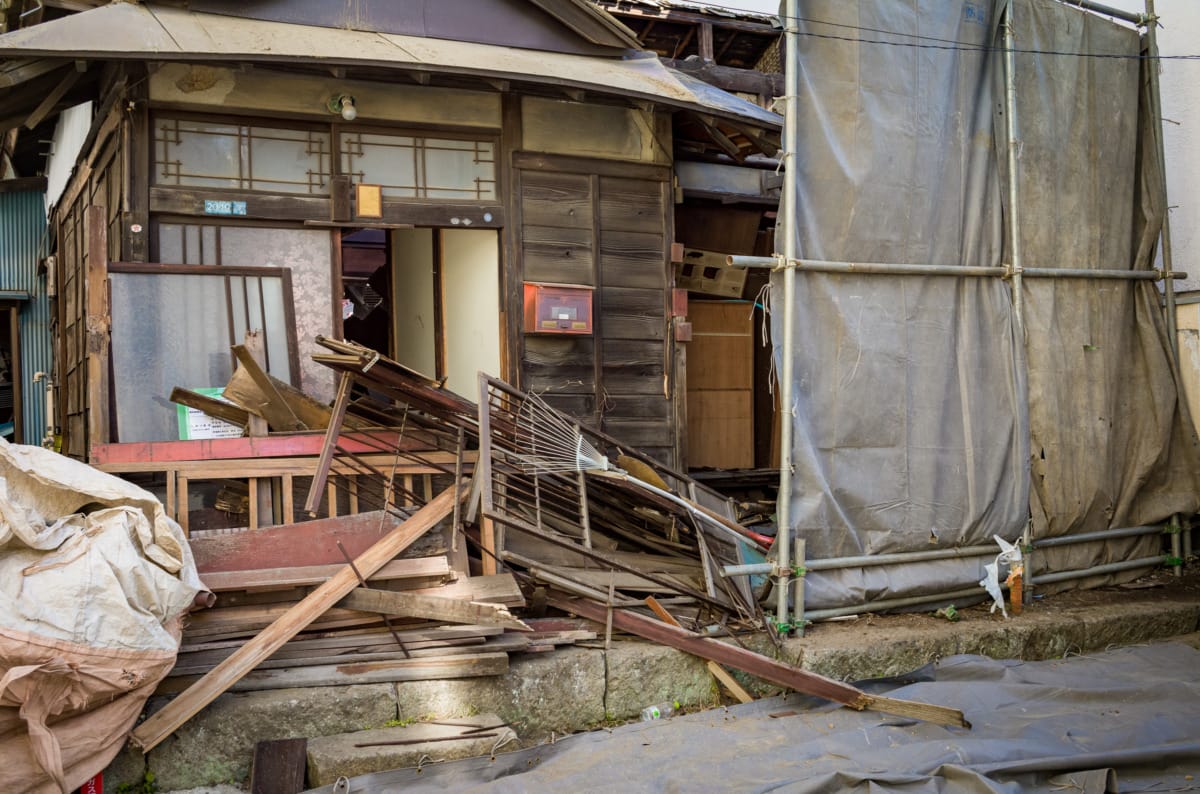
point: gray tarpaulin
(915, 400)
(1111, 439)
(1117, 721)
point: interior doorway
(429, 297)
(366, 285)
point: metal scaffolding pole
(1151, 22)
(791, 136)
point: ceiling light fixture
(343, 104)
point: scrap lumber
(218, 409)
(443, 610)
(467, 646)
(164, 722)
(718, 672)
(758, 665)
(246, 619)
(380, 672)
(433, 569)
(292, 545)
(279, 766)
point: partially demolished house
(492, 192)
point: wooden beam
(706, 42)
(52, 99)
(164, 722)
(443, 610)
(98, 324)
(425, 568)
(433, 668)
(721, 139)
(218, 409)
(757, 665)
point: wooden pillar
(99, 323)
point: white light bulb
(349, 112)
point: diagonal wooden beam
(721, 139)
(756, 664)
(161, 724)
(47, 105)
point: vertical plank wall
(608, 232)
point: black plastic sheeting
(1124, 720)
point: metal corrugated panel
(22, 232)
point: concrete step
(340, 755)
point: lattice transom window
(420, 167)
(241, 156)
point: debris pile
(521, 504)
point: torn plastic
(94, 578)
(1009, 555)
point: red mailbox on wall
(557, 308)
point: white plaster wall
(72, 128)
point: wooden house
(492, 190)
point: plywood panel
(720, 429)
(721, 353)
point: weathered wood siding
(608, 229)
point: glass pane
(193, 253)
(170, 243)
(254, 315)
(409, 167)
(275, 323)
(387, 160)
(208, 245)
(292, 161)
(204, 154)
(197, 153)
(459, 169)
(308, 253)
(168, 331)
(237, 304)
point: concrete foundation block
(217, 745)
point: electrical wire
(937, 43)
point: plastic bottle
(660, 711)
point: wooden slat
(304, 575)
(443, 610)
(161, 724)
(418, 669)
(142, 453)
(631, 205)
(279, 766)
(215, 408)
(558, 255)
(757, 665)
(559, 365)
(633, 259)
